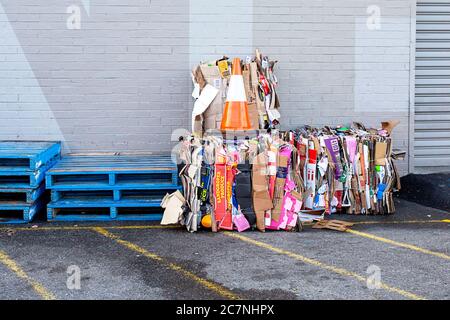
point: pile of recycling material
(211, 82)
(277, 180)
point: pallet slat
(98, 218)
(115, 194)
(102, 202)
(157, 184)
(113, 214)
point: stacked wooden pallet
(23, 165)
(105, 187)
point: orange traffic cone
(235, 116)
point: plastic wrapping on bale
(279, 179)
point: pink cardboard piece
(292, 209)
(290, 185)
(292, 220)
(241, 222)
(351, 147)
(283, 219)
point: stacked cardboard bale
(279, 179)
(211, 81)
(348, 169)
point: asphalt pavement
(401, 256)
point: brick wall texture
(121, 81)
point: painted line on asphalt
(399, 222)
(143, 227)
(19, 272)
(132, 227)
(317, 263)
(399, 244)
(215, 287)
(75, 228)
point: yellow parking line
(142, 227)
(387, 222)
(14, 267)
(399, 244)
(322, 265)
(75, 228)
(217, 288)
(399, 222)
(132, 227)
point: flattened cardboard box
(280, 182)
(251, 97)
(213, 77)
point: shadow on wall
(100, 75)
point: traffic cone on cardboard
(235, 116)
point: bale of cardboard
(210, 80)
(279, 179)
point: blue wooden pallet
(106, 202)
(26, 196)
(82, 186)
(32, 155)
(96, 202)
(110, 200)
(113, 172)
(111, 194)
(100, 218)
(17, 213)
(25, 178)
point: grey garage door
(432, 101)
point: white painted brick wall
(122, 81)
(340, 70)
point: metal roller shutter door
(432, 96)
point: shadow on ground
(431, 190)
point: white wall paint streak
(23, 105)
